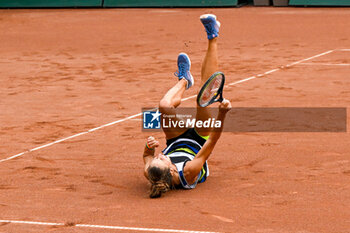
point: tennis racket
(212, 89)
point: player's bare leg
(210, 62)
(209, 65)
(172, 98)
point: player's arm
(148, 152)
(193, 167)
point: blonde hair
(161, 181)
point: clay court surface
(67, 71)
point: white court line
(271, 71)
(184, 99)
(102, 227)
(323, 64)
(33, 223)
(187, 98)
(241, 81)
(70, 137)
(310, 58)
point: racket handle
(221, 98)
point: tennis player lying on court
(183, 163)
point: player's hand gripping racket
(212, 89)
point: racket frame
(218, 93)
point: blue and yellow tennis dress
(182, 149)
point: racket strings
(211, 90)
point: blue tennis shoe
(211, 25)
(184, 66)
